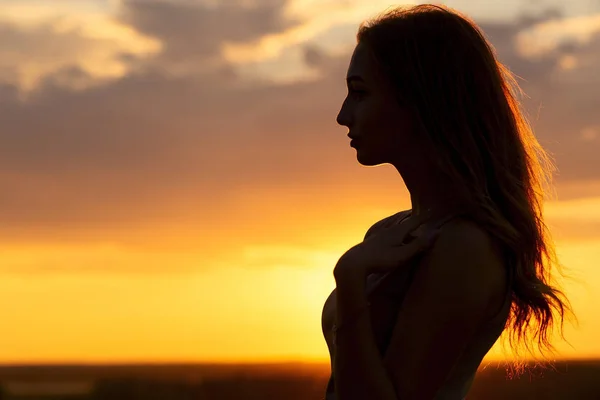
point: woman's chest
(384, 296)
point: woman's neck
(432, 195)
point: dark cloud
(152, 148)
(560, 103)
(193, 34)
(313, 56)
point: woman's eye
(357, 92)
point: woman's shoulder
(468, 255)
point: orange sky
(259, 299)
(174, 200)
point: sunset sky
(174, 186)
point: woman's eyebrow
(354, 78)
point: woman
(423, 298)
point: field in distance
(567, 380)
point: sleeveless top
(385, 294)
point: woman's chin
(363, 159)
(368, 159)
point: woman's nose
(339, 119)
(342, 117)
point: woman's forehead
(361, 64)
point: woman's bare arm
(454, 290)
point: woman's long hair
(465, 102)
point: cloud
(266, 257)
(181, 150)
(95, 258)
(193, 33)
(80, 49)
(319, 24)
(590, 133)
(575, 220)
(562, 86)
(548, 36)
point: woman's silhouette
(423, 298)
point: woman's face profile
(381, 127)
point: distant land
(572, 380)
(172, 372)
